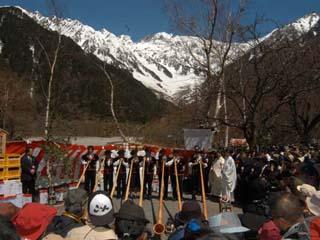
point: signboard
(197, 137)
(238, 142)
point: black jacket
(61, 225)
(27, 164)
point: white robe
(215, 177)
(229, 178)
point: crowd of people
(276, 188)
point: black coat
(61, 225)
(27, 164)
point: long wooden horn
(177, 184)
(129, 182)
(82, 175)
(101, 170)
(203, 191)
(159, 227)
(142, 182)
(116, 179)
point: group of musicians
(116, 166)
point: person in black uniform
(169, 172)
(135, 176)
(108, 172)
(195, 171)
(181, 172)
(93, 160)
(148, 174)
(28, 172)
(122, 177)
(161, 157)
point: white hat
(226, 222)
(127, 154)
(114, 154)
(312, 198)
(141, 153)
(313, 203)
(306, 189)
(100, 209)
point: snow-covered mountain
(161, 61)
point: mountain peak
(162, 36)
(306, 23)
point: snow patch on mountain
(306, 23)
(161, 61)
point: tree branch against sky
(214, 24)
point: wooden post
(3, 141)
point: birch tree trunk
(49, 91)
(6, 100)
(114, 116)
(226, 140)
(217, 106)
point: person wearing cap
(130, 221)
(312, 200)
(150, 167)
(28, 172)
(169, 173)
(74, 202)
(90, 176)
(101, 216)
(190, 210)
(33, 219)
(161, 157)
(108, 171)
(136, 160)
(122, 177)
(195, 171)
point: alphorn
(129, 182)
(177, 184)
(82, 175)
(159, 228)
(142, 182)
(203, 192)
(101, 170)
(116, 179)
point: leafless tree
(305, 115)
(261, 83)
(214, 24)
(51, 57)
(52, 62)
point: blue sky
(139, 18)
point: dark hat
(252, 221)
(190, 210)
(131, 211)
(75, 201)
(107, 152)
(90, 147)
(121, 152)
(100, 209)
(133, 152)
